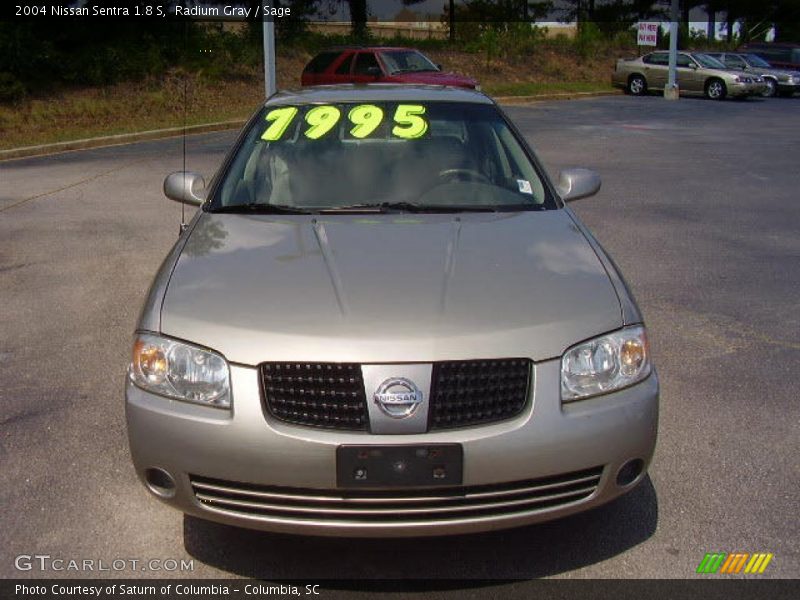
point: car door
(366, 68)
(656, 70)
(735, 62)
(689, 74)
(341, 71)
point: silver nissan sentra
(384, 321)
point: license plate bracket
(399, 466)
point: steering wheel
(468, 174)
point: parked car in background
(777, 81)
(779, 55)
(378, 64)
(697, 74)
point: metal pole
(671, 91)
(270, 86)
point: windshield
(708, 61)
(406, 61)
(385, 155)
(756, 61)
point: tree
(450, 11)
(358, 18)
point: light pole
(270, 86)
(671, 91)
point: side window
(734, 61)
(344, 67)
(364, 62)
(657, 59)
(684, 61)
(320, 62)
(774, 54)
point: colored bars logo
(734, 563)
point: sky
(387, 9)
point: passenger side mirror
(183, 186)
(574, 184)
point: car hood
(388, 287)
(726, 74)
(436, 78)
(785, 73)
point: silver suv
(384, 321)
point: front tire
(772, 88)
(716, 90)
(637, 85)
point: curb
(553, 96)
(157, 134)
(116, 140)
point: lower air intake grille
(476, 392)
(327, 395)
(396, 506)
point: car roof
(343, 48)
(767, 45)
(378, 92)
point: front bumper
(548, 462)
(738, 89)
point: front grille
(474, 392)
(327, 395)
(331, 395)
(396, 506)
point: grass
(122, 108)
(545, 88)
(180, 98)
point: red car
(378, 65)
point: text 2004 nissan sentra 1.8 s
(384, 321)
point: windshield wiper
(261, 208)
(408, 207)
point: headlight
(179, 370)
(737, 79)
(605, 364)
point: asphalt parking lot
(699, 207)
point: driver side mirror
(183, 186)
(574, 184)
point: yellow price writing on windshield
(409, 121)
(280, 119)
(366, 118)
(322, 119)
